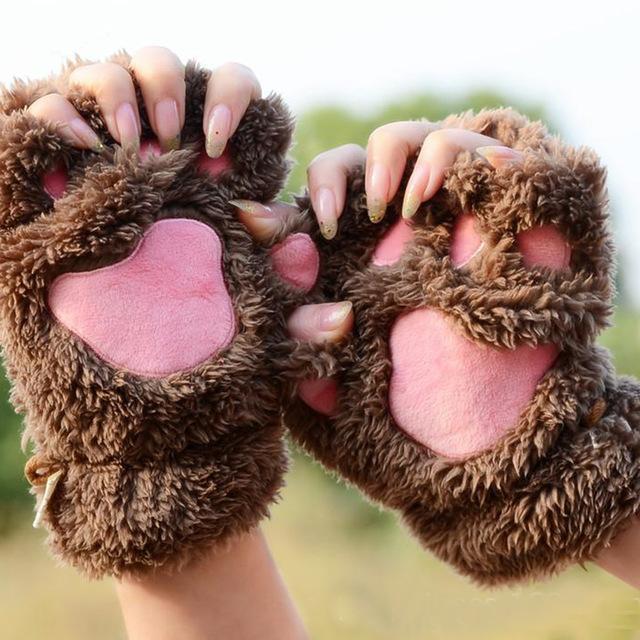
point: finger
(500, 156)
(112, 87)
(319, 323)
(160, 75)
(263, 221)
(58, 110)
(438, 153)
(387, 152)
(229, 91)
(327, 179)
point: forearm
(236, 592)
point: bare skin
(237, 592)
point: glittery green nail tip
(173, 144)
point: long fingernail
(218, 130)
(258, 218)
(499, 156)
(431, 189)
(326, 209)
(167, 123)
(333, 315)
(377, 192)
(85, 134)
(127, 125)
(415, 189)
(254, 208)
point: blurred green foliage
(325, 127)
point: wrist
(231, 592)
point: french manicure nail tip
(252, 207)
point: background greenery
(354, 571)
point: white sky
(580, 59)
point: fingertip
(377, 187)
(416, 187)
(260, 220)
(127, 122)
(325, 322)
(167, 123)
(324, 203)
(218, 130)
(499, 156)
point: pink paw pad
(544, 246)
(466, 242)
(296, 261)
(392, 245)
(453, 395)
(321, 395)
(55, 181)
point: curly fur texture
(559, 486)
(155, 470)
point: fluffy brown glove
(473, 398)
(139, 323)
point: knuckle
(321, 159)
(234, 68)
(150, 52)
(157, 63)
(99, 74)
(385, 135)
(237, 78)
(438, 139)
(351, 149)
(50, 102)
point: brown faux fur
(564, 481)
(154, 470)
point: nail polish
(127, 125)
(415, 189)
(254, 208)
(218, 130)
(377, 192)
(326, 212)
(499, 156)
(85, 134)
(167, 123)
